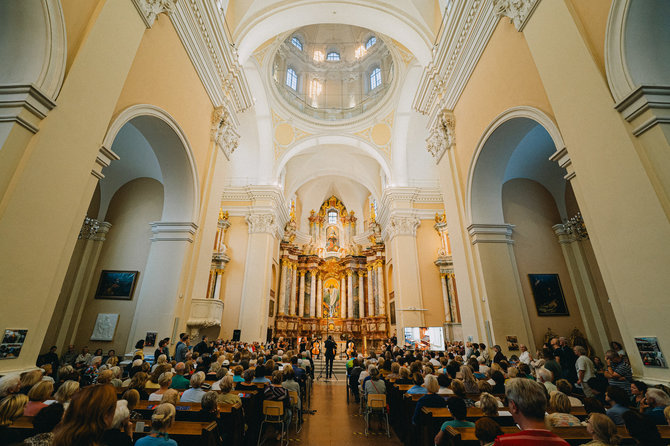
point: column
(381, 310)
(294, 289)
(371, 297)
(350, 294)
(408, 298)
(59, 150)
(319, 297)
(159, 294)
(585, 288)
(446, 301)
(282, 287)
(453, 297)
(343, 297)
(361, 295)
(312, 293)
(301, 301)
(253, 318)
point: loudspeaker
(236, 335)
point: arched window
(333, 56)
(291, 78)
(296, 43)
(375, 78)
(332, 217)
(371, 41)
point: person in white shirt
(483, 368)
(525, 356)
(585, 369)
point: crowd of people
(74, 399)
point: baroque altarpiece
(333, 285)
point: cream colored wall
(504, 77)
(134, 206)
(233, 278)
(427, 244)
(531, 208)
(78, 18)
(592, 16)
(162, 75)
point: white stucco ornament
(223, 131)
(150, 9)
(518, 11)
(261, 223)
(441, 135)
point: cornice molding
(25, 105)
(468, 28)
(518, 11)
(633, 107)
(200, 26)
(263, 198)
(491, 233)
(173, 231)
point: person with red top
(527, 402)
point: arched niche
(636, 46)
(165, 155)
(517, 144)
(33, 45)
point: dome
(332, 71)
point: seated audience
(655, 402)
(544, 377)
(228, 395)
(486, 431)
(469, 380)
(618, 401)
(247, 384)
(88, 416)
(38, 395)
(29, 379)
(498, 382)
(164, 381)
(220, 374)
(259, 375)
(275, 392)
(489, 404)
(171, 396)
(498, 357)
(432, 399)
(161, 420)
(642, 429)
(376, 385)
(563, 385)
(237, 374)
(138, 382)
(354, 375)
(593, 405)
(559, 411)
(527, 402)
(120, 431)
(459, 390)
(11, 408)
(152, 382)
(417, 388)
(9, 384)
(195, 393)
(64, 393)
(404, 376)
(290, 383)
(618, 371)
(638, 390)
(179, 381)
(105, 377)
(209, 410)
(43, 424)
(603, 431)
(444, 381)
(459, 412)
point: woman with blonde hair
(11, 408)
(138, 382)
(90, 413)
(29, 379)
(469, 380)
(602, 430)
(559, 411)
(489, 404)
(171, 396)
(160, 369)
(64, 393)
(105, 377)
(227, 395)
(164, 382)
(161, 420)
(38, 394)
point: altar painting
(331, 299)
(332, 239)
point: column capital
(349, 273)
(149, 10)
(261, 223)
(491, 233)
(173, 231)
(518, 11)
(302, 272)
(223, 131)
(403, 225)
(441, 136)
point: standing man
(567, 361)
(618, 373)
(182, 348)
(585, 370)
(331, 348)
(202, 347)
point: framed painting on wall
(392, 312)
(548, 295)
(12, 343)
(116, 285)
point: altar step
(339, 366)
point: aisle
(336, 423)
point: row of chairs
(273, 414)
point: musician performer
(303, 344)
(331, 348)
(316, 349)
(351, 349)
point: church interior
(264, 171)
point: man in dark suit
(331, 348)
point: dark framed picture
(548, 295)
(512, 343)
(271, 308)
(150, 339)
(116, 284)
(12, 342)
(650, 352)
(392, 312)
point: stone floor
(337, 423)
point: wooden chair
(451, 437)
(273, 413)
(376, 404)
(210, 436)
(295, 405)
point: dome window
(375, 78)
(333, 56)
(291, 78)
(296, 43)
(371, 41)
